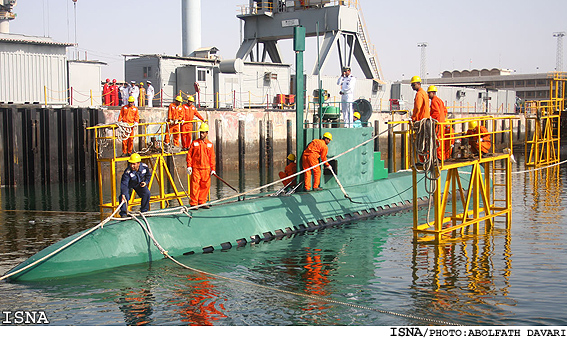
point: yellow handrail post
(45, 94)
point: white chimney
(190, 26)
(6, 15)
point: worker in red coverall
(290, 169)
(189, 114)
(131, 115)
(315, 150)
(114, 94)
(174, 117)
(106, 93)
(478, 134)
(438, 112)
(421, 101)
(200, 166)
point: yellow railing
(486, 170)
(543, 147)
(153, 151)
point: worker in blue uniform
(136, 177)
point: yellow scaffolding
(163, 185)
(542, 148)
(488, 192)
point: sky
(511, 34)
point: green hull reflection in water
(234, 223)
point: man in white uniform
(134, 91)
(347, 83)
(124, 94)
(150, 94)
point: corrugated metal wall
(28, 71)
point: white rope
(124, 130)
(100, 225)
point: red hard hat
(113, 80)
(107, 80)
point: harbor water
(363, 273)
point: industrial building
(533, 86)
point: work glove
(189, 170)
(213, 172)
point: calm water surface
(507, 277)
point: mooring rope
(166, 254)
(42, 259)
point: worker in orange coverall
(290, 169)
(106, 93)
(421, 101)
(200, 166)
(315, 150)
(174, 116)
(189, 113)
(114, 94)
(131, 115)
(474, 139)
(439, 112)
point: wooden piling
(289, 148)
(261, 146)
(241, 153)
(376, 132)
(270, 149)
(218, 146)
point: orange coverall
(315, 150)
(189, 113)
(175, 112)
(290, 169)
(201, 157)
(439, 112)
(484, 138)
(106, 96)
(129, 114)
(420, 106)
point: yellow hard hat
(190, 98)
(472, 124)
(204, 127)
(179, 98)
(415, 78)
(356, 114)
(328, 136)
(432, 89)
(134, 158)
(291, 157)
(141, 84)
(131, 99)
